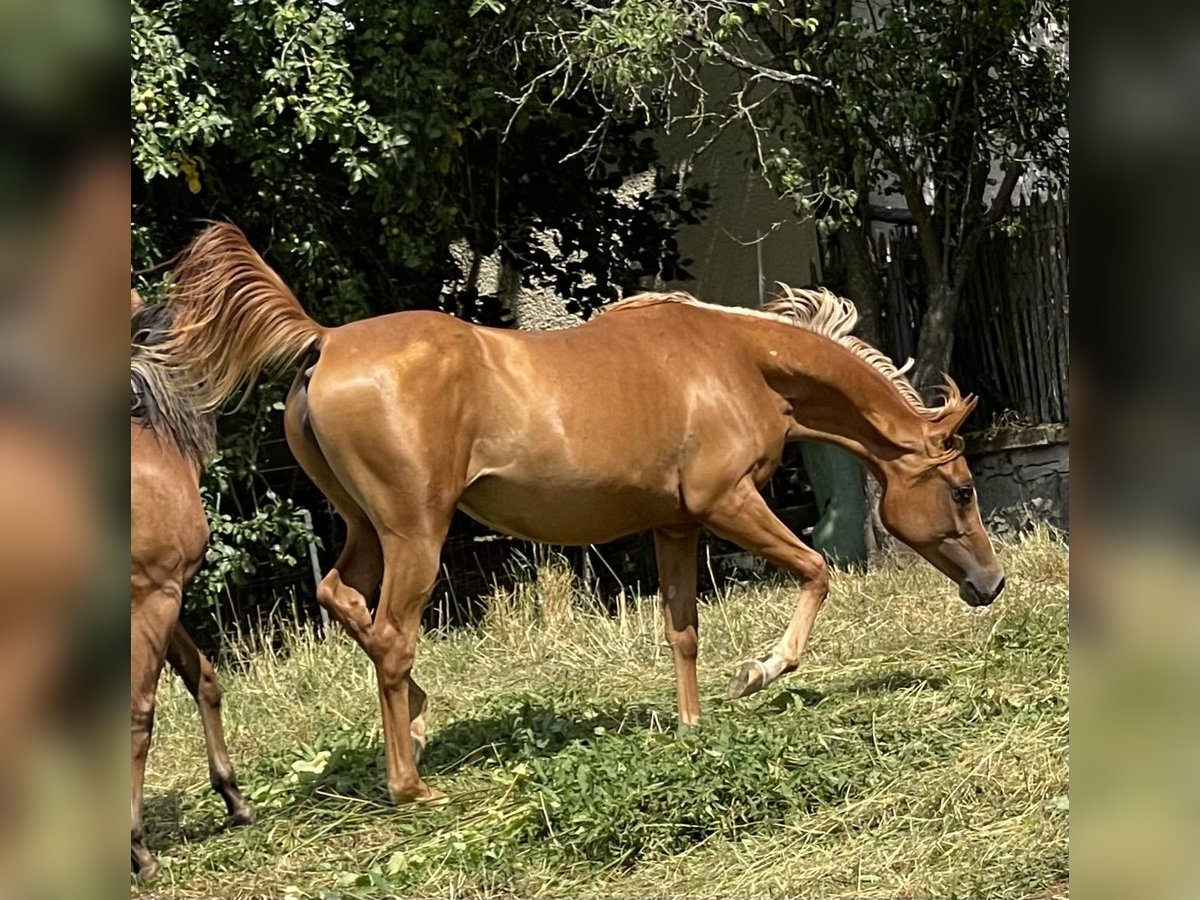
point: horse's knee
(393, 656)
(685, 644)
(344, 603)
(814, 573)
(141, 725)
(327, 591)
(209, 691)
(393, 670)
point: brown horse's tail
(233, 318)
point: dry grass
(920, 751)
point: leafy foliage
(946, 103)
(273, 533)
(355, 141)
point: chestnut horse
(168, 443)
(662, 413)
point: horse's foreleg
(201, 681)
(744, 518)
(675, 553)
(152, 617)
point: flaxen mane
(825, 313)
(159, 399)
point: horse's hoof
(747, 679)
(420, 793)
(147, 872)
(434, 798)
(240, 817)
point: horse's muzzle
(974, 595)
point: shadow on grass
(532, 731)
(163, 816)
(899, 680)
(786, 699)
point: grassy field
(919, 751)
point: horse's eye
(963, 494)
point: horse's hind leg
(356, 575)
(416, 718)
(744, 518)
(410, 570)
(201, 681)
(389, 640)
(152, 617)
(346, 588)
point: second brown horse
(662, 413)
(168, 443)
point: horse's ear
(135, 302)
(957, 408)
(967, 407)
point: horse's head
(929, 503)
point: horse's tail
(233, 318)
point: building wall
(750, 239)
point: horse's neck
(837, 397)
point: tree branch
(1003, 200)
(893, 215)
(910, 186)
(761, 71)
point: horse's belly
(568, 513)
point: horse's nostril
(1000, 586)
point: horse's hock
(1021, 476)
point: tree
(355, 141)
(934, 100)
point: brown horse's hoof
(240, 817)
(418, 793)
(748, 679)
(147, 871)
(434, 798)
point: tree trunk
(862, 282)
(863, 287)
(936, 341)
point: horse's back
(168, 530)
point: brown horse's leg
(744, 518)
(410, 570)
(359, 569)
(416, 718)
(152, 617)
(354, 577)
(201, 681)
(676, 556)
(343, 592)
